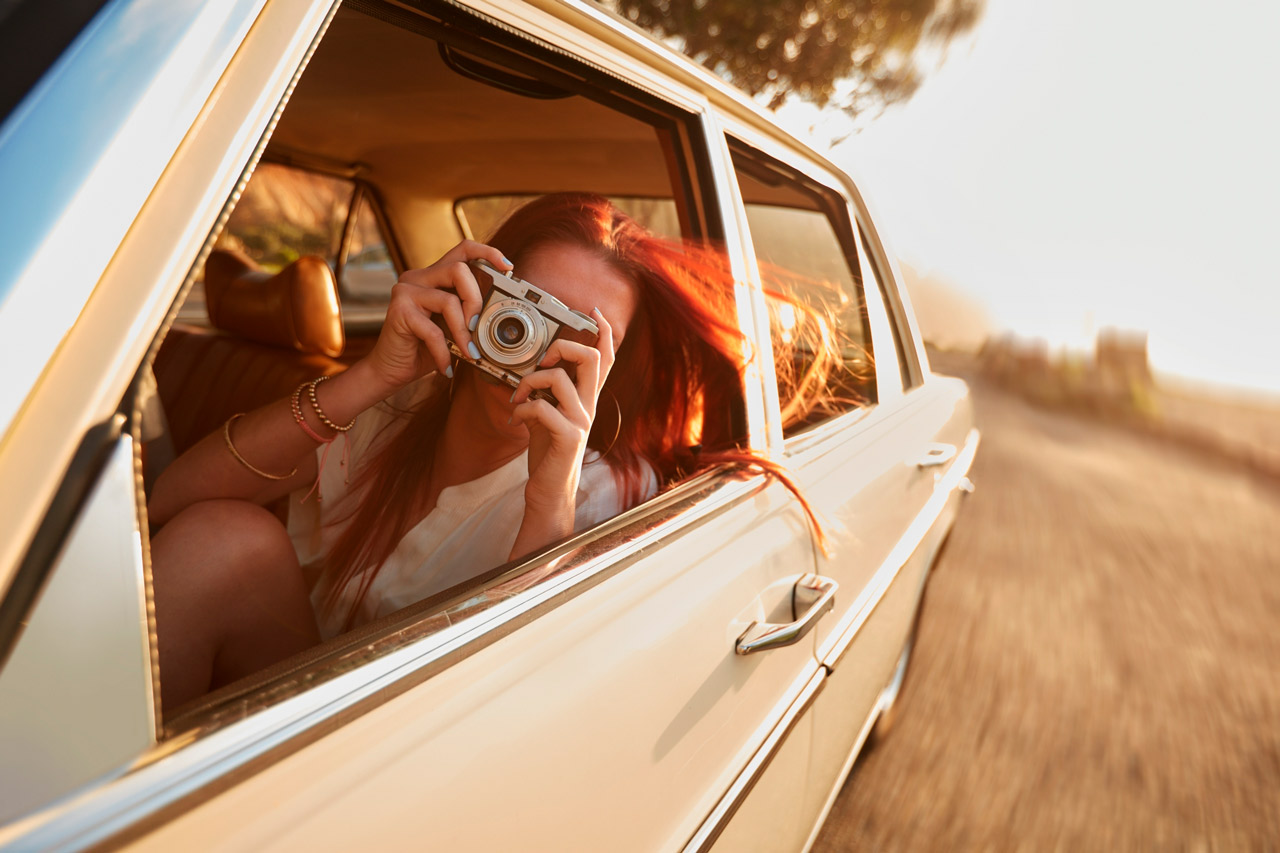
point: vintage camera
(517, 324)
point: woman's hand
(558, 433)
(411, 344)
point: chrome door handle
(937, 454)
(813, 596)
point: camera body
(518, 321)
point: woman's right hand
(411, 344)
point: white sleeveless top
(471, 529)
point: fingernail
(508, 420)
(448, 371)
(472, 351)
(475, 321)
(507, 262)
(513, 397)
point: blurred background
(1082, 197)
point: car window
(897, 326)
(367, 272)
(813, 285)
(286, 213)
(444, 157)
(480, 216)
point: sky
(1078, 165)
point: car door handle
(937, 454)
(812, 596)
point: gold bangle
(315, 404)
(226, 434)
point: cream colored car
(694, 673)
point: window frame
(361, 190)
(908, 342)
(410, 634)
(846, 224)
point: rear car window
(813, 282)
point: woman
(453, 473)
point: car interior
(406, 134)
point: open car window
(813, 284)
(422, 140)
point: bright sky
(1094, 163)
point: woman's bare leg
(230, 598)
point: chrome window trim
(281, 718)
(764, 421)
(715, 823)
(842, 637)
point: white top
(471, 529)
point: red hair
(676, 381)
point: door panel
(892, 540)
(615, 721)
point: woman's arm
(270, 439)
(558, 434)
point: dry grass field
(1099, 660)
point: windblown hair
(676, 381)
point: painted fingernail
(475, 321)
(448, 371)
(513, 397)
(509, 420)
(472, 351)
(507, 262)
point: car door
(874, 457)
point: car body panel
(638, 674)
(602, 708)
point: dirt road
(1098, 666)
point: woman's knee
(227, 531)
(218, 546)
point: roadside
(1098, 665)
(1244, 431)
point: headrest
(297, 308)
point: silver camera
(517, 323)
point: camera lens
(510, 332)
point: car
(696, 672)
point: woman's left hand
(558, 433)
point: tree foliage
(858, 55)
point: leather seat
(271, 333)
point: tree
(859, 55)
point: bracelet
(315, 404)
(226, 435)
(295, 402)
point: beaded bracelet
(226, 435)
(315, 404)
(295, 403)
